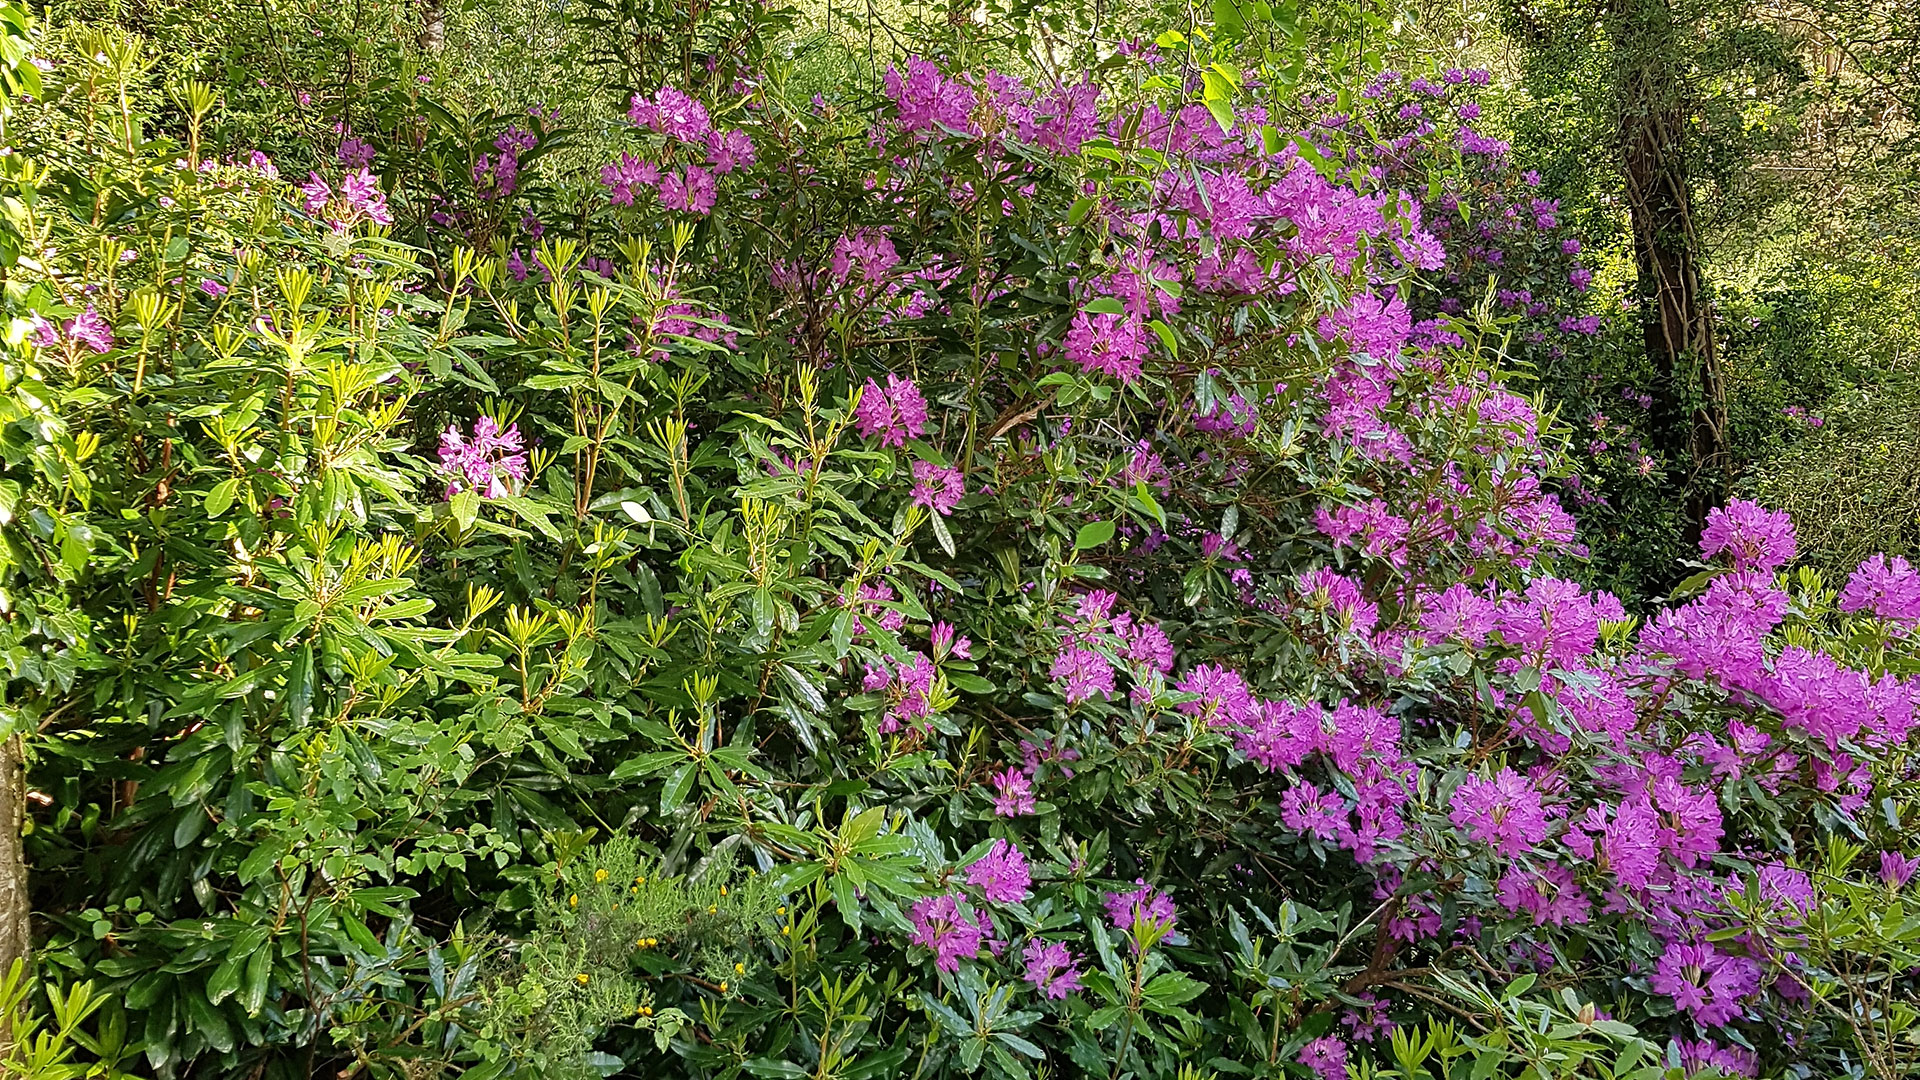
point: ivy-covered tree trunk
(433, 26)
(1676, 318)
(14, 907)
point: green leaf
(941, 534)
(678, 785)
(531, 513)
(1093, 534)
(300, 686)
(1222, 111)
(1105, 305)
(1021, 1045)
(885, 1063)
(465, 507)
(208, 1021)
(1166, 335)
(864, 826)
(791, 879)
(1226, 19)
(972, 684)
(220, 497)
(1172, 988)
(225, 980)
(771, 1067)
(259, 967)
(1148, 503)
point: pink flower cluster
(1575, 834)
(1096, 643)
(928, 103)
(358, 199)
(952, 929)
(908, 685)
(696, 154)
(484, 462)
(88, 329)
(894, 414)
(1001, 875)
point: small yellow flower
(711, 909)
(723, 890)
(652, 941)
(786, 930)
(639, 881)
(634, 889)
(646, 1010)
(599, 876)
(581, 978)
(574, 900)
(739, 969)
(723, 987)
(781, 910)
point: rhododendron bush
(981, 574)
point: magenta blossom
(1082, 674)
(484, 462)
(1013, 796)
(939, 488)
(1889, 588)
(1113, 344)
(953, 930)
(1001, 874)
(1144, 905)
(1897, 869)
(1050, 968)
(1754, 537)
(1504, 812)
(1326, 1056)
(895, 414)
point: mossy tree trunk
(1652, 116)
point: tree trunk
(1677, 321)
(15, 910)
(433, 26)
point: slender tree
(1665, 85)
(1652, 103)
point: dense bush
(962, 574)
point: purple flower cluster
(908, 685)
(950, 928)
(1051, 969)
(484, 462)
(1001, 875)
(939, 488)
(1888, 588)
(496, 175)
(1505, 812)
(1093, 638)
(1750, 535)
(695, 155)
(1143, 909)
(87, 329)
(895, 414)
(359, 198)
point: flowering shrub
(1004, 576)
